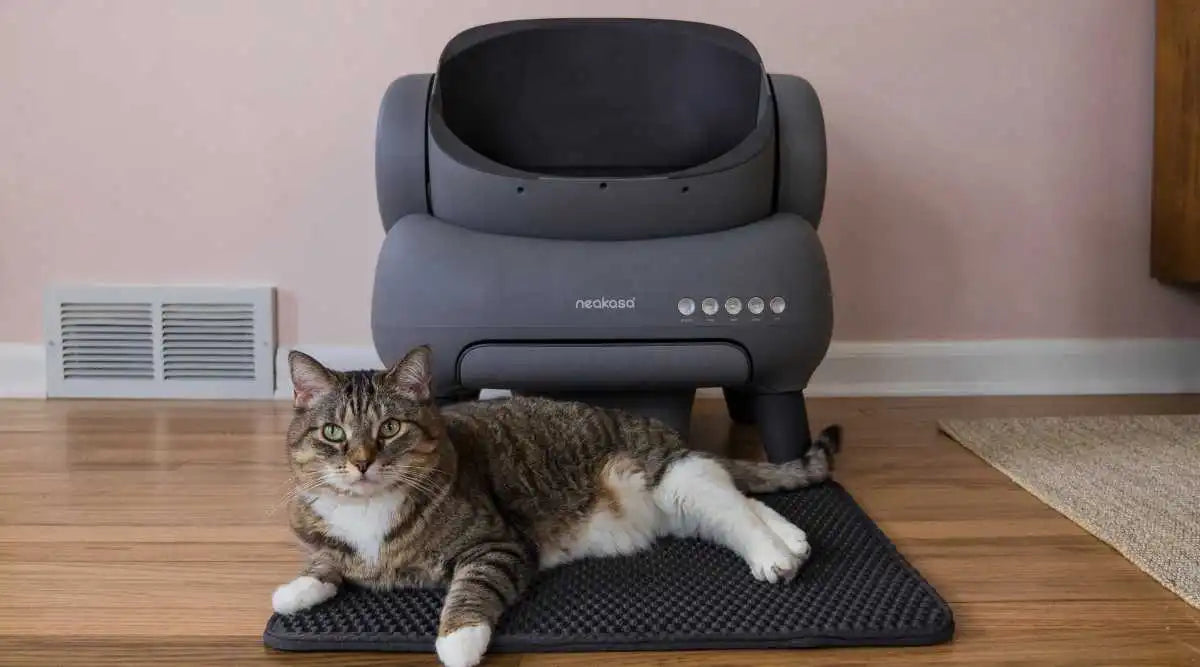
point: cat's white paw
(794, 538)
(773, 564)
(789, 533)
(301, 593)
(465, 646)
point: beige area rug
(1132, 481)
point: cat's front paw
(465, 646)
(301, 593)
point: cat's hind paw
(465, 646)
(795, 539)
(774, 565)
(301, 593)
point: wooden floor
(138, 532)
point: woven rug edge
(953, 429)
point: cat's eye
(333, 433)
(390, 429)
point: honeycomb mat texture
(855, 590)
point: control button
(733, 305)
(709, 306)
(755, 305)
(778, 304)
(686, 306)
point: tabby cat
(393, 491)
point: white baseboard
(949, 368)
(1010, 367)
(22, 370)
(905, 368)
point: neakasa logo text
(606, 303)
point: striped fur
(478, 496)
(815, 466)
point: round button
(755, 305)
(733, 305)
(778, 304)
(686, 306)
(709, 306)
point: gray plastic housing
(455, 288)
(553, 163)
(535, 366)
(667, 128)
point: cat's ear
(412, 376)
(310, 380)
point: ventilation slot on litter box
(160, 342)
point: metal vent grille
(208, 341)
(107, 340)
(160, 342)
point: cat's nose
(363, 465)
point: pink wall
(989, 171)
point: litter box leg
(740, 405)
(783, 425)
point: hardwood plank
(204, 651)
(147, 532)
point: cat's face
(364, 432)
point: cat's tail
(813, 467)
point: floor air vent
(160, 342)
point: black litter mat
(855, 590)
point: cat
(393, 491)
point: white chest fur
(361, 523)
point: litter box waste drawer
(599, 366)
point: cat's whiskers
(416, 468)
(299, 490)
(305, 486)
(425, 472)
(416, 483)
(404, 476)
